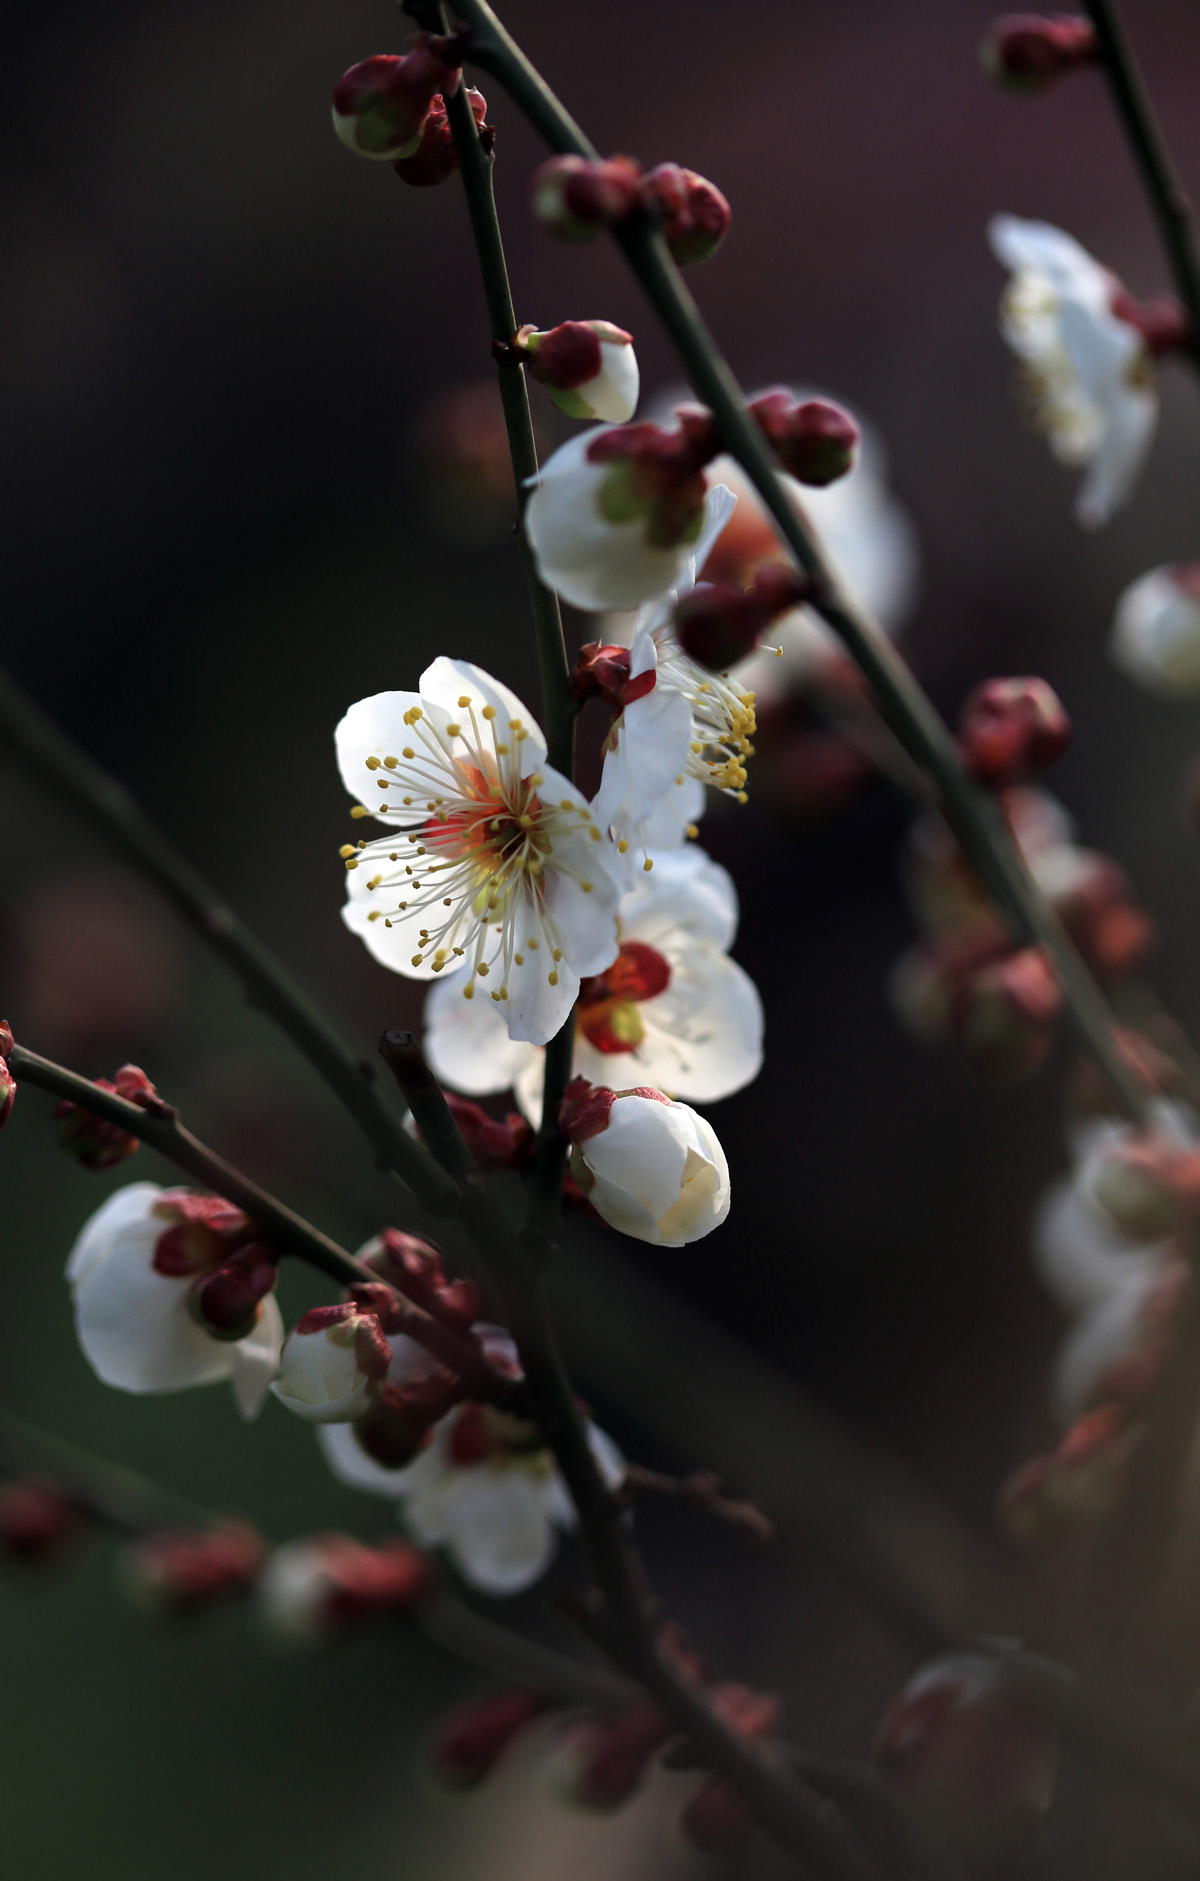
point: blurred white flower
(1089, 370)
(1156, 632)
(132, 1273)
(495, 861)
(673, 1010)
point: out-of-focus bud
(695, 215)
(393, 1429)
(973, 1748)
(1024, 52)
(319, 1586)
(588, 367)
(91, 1140)
(38, 1521)
(1006, 1013)
(816, 774)
(415, 1269)
(601, 1762)
(181, 1573)
(716, 1820)
(1156, 632)
(1095, 904)
(227, 1303)
(333, 1365)
(1092, 1094)
(815, 440)
(435, 159)
(1076, 1485)
(718, 625)
(1133, 1184)
(574, 198)
(494, 1143)
(381, 104)
(1010, 730)
(8, 1084)
(652, 1168)
(602, 672)
(471, 1741)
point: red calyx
(1024, 52)
(665, 470)
(37, 1521)
(415, 1269)
(93, 1141)
(569, 355)
(1161, 321)
(602, 671)
(639, 972)
(186, 1571)
(395, 1427)
(8, 1084)
(584, 1109)
(695, 216)
(575, 197)
(493, 1144)
(470, 1742)
(204, 1231)
(610, 1756)
(226, 1303)
(1010, 730)
(402, 87)
(718, 625)
(435, 159)
(369, 1583)
(815, 440)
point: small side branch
(701, 1489)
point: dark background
(219, 334)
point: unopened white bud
(333, 1365)
(653, 1169)
(1156, 632)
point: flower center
(607, 1015)
(475, 863)
(723, 721)
(1054, 395)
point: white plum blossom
(673, 1010)
(602, 539)
(131, 1272)
(484, 1487)
(588, 367)
(1089, 370)
(651, 1168)
(494, 861)
(1156, 632)
(333, 1364)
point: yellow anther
(347, 849)
(408, 803)
(537, 779)
(501, 751)
(525, 821)
(553, 978)
(496, 997)
(454, 731)
(742, 797)
(489, 711)
(415, 712)
(376, 914)
(469, 990)
(519, 960)
(465, 700)
(482, 969)
(504, 992)
(692, 831)
(586, 887)
(417, 959)
(566, 804)
(391, 763)
(459, 951)
(352, 864)
(596, 835)
(375, 881)
(383, 782)
(372, 764)
(622, 846)
(359, 810)
(697, 748)
(647, 865)
(408, 752)
(447, 902)
(531, 943)
(557, 954)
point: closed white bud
(588, 367)
(333, 1365)
(1156, 632)
(651, 1168)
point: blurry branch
(558, 704)
(971, 812)
(700, 1489)
(288, 1232)
(1168, 199)
(91, 794)
(515, 1660)
(116, 1496)
(622, 1618)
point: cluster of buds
(814, 439)
(1000, 1005)
(38, 1521)
(1011, 730)
(184, 1572)
(8, 1084)
(435, 160)
(575, 197)
(495, 1143)
(588, 367)
(382, 105)
(1025, 52)
(322, 1585)
(972, 1745)
(96, 1143)
(651, 1168)
(232, 1270)
(414, 1268)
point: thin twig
(1168, 199)
(972, 813)
(116, 1496)
(287, 1231)
(91, 794)
(702, 1489)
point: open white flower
(652, 1168)
(1089, 371)
(495, 862)
(484, 1487)
(1156, 633)
(609, 522)
(673, 1010)
(131, 1273)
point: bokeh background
(221, 339)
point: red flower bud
(1006, 1011)
(601, 671)
(1010, 730)
(584, 1109)
(602, 1761)
(716, 1821)
(435, 159)
(695, 215)
(493, 1144)
(37, 1521)
(471, 1741)
(415, 1269)
(1024, 52)
(393, 1429)
(226, 1303)
(180, 1573)
(815, 440)
(719, 625)
(96, 1143)
(380, 106)
(574, 197)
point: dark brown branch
(702, 1489)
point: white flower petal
(256, 1359)
(494, 1525)
(134, 1325)
(467, 1041)
(447, 681)
(124, 1209)
(375, 728)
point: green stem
(1168, 199)
(97, 798)
(971, 812)
(287, 1231)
